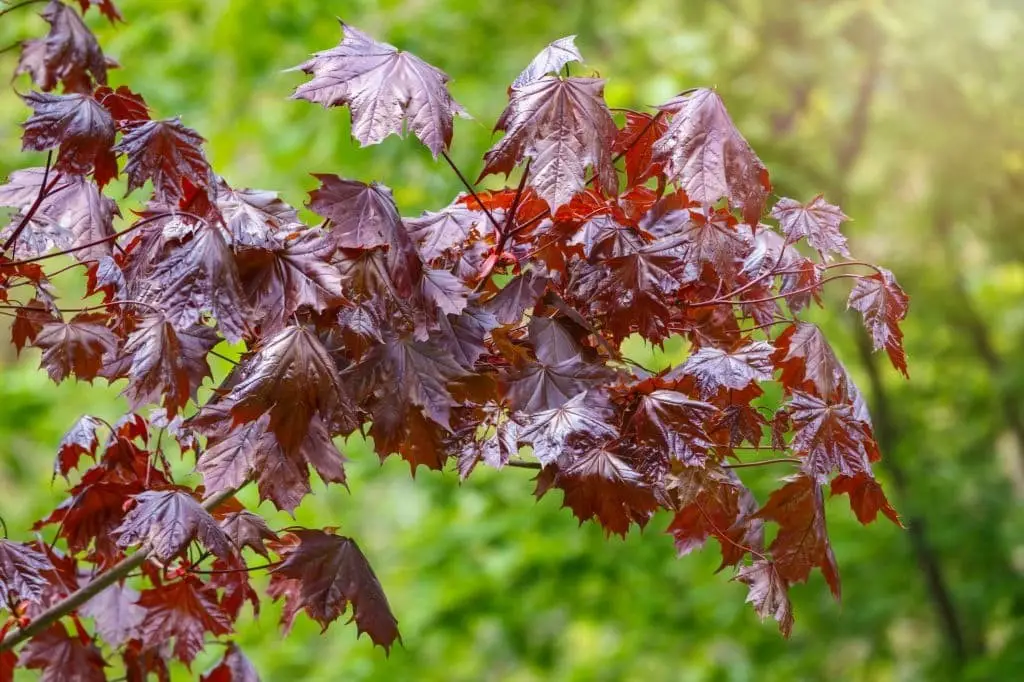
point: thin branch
(224, 357)
(763, 462)
(466, 183)
(73, 249)
(19, 5)
(112, 575)
(522, 464)
(44, 189)
(726, 301)
(244, 569)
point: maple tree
(487, 333)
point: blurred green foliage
(910, 114)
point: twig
(471, 189)
(40, 196)
(26, 3)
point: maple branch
(244, 569)
(43, 191)
(811, 287)
(224, 357)
(522, 464)
(19, 5)
(471, 189)
(73, 249)
(112, 575)
(763, 462)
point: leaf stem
(44, 189)
(763, 462)
(94, 587)
(471, 189)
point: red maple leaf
(63, 658)
(385, 88)
(184, 610)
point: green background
(910, 114)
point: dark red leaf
(714, 368)
(78, 124)
(234, 667)
(673, 423)
(539, 386)
(636, 141)
(830, 436)
(866, 497)
(516, 297)
(292, 377)
(117, 614)
(246, 529)
(68, 54)
(385, 88)
(21, 575)
(125, 106)
(81, 439)
(802, 542)
(550, 60)
(769, 593)
(170, 155)
(883, 304)
(167, 521)
(80, 346)
(707, 156)
(598, 483)
(63, 658)
(587, 416)
(184, 611)
(818, 221)
(106, 7)
(29, 320)
(562, 126)
(254, 215)
(323, 573)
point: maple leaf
(769, 593)
(106, 7)
(444, 291)
(21, 573)
(464, 334)
(166, 362)
(711, 501)
(29, 320)
(117, 614)
(63, 658)
(540, 386)
(563, 126)
(168, 521)
(802, 542)
(516, 297)
(829, 435)
(714, 239)
(73, 213)
(79, 125)
(551, 59)
(254, 215)
(184, 610)
(435, 233)
(323, 573)
(410, 372)
(674, 423)
(818, 221)
(362, 216)
(714, 368)
(80, 439)
(588, 416)
(636, 141)
(293, 378)
(167, 153)
(288, 273)
(552, 340)
(866, 497)
(68, 54)
(883, 303)
(631, 292)
(599, 483)
(246, 529)
(807, 356)
(141, 661)
(78, 346)
(125, 106)
(197, 274)
(234, 667)
(706, 155)
(385, 89)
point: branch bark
(114, 574)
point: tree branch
(472, 190)
(43, 191)
(91, 589)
